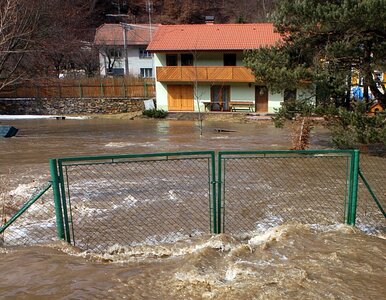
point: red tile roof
(213, 37)
(112, 34)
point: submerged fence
(152, 198)
(135, 198)
(264, 188)
(371, 206)
(34, 222)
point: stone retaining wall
(67, 106)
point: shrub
(290, 109)
(351, 128)
(155, 113)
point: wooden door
(261, 98)
(180, 98)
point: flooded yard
(272, 260)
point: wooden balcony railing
(204, 74)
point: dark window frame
(146, 72)
(143, 53)
(187, 59)
(171, 60)
(230, 59)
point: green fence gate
(133, 199)
(262, 189)
(371, 216)
(32, 222)
(152, 198)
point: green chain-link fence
(262, 189)
(33, 223)
(152, 198)
(136, 199)
(372, 189)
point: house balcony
(204, 74)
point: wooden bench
(241, 105)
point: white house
(201, 66)
(122, 49)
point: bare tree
(18, 23)
(110, 54)
(87, 59)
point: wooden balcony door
(220, 96)
(261, 98)
(180, 98)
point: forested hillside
(49, 38)
(180, 11)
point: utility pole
(148, 8)
(125, 27)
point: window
(115, 53)
(146, 72)
(143, 53)
(289, 95)
(229, 59)
(171, 60)
(186, 59)
(116, 72)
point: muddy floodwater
(286, 261)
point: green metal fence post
(219, 187)
(353, 189)
(64, 205)
(214, 197)
(56, 192)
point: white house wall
(239, 91)
(134, 61)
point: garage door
(180, 98)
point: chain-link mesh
(369, 216)
(36, 225)
(138, 201)
(262, 191)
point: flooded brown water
(290, 261)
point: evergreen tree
(323, 42)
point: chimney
(209, 20)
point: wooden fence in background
(116, 87)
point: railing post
(353, 189)
(57, 200)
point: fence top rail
(282, 152)
(195, 153)
(125, 156)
